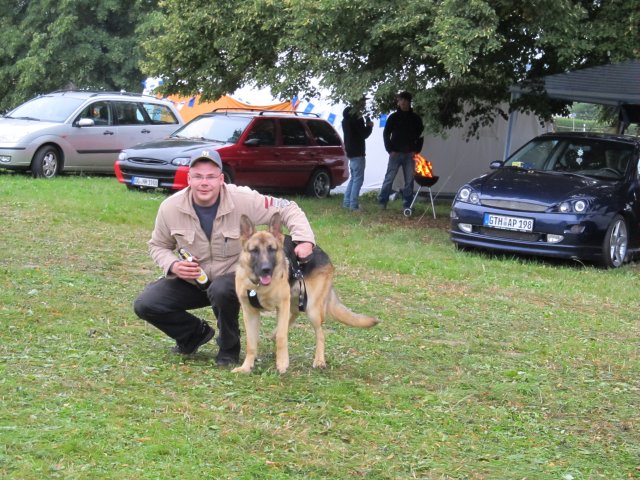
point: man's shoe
(226, 361)
(191, 347)
(228, 357)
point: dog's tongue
(265, 279)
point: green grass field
(484, 366)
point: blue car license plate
(508, 223)
(144, 182)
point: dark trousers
(396, 161)
(165, 304)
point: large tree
(56, 44)
(456, 56)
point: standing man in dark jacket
(402, 139)
(356, 129)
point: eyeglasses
(200, 178)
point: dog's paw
(319, 364)
(282, 368)
(242, 369)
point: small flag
(383, 120)
(294, 102)
(331, 118)
(309, 107)
(192, 101)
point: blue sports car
(566, 195)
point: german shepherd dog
(265, 281)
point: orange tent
(190, 107)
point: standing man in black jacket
(402, 139)
(355, 129)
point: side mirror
(496, 164)
(252, 142)
(86, 122)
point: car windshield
(216, 128)
(47, 109)
(583, 156)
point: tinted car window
(159, 114)
(264, 131)
(323, 133)
(585, 156)
(47, 109)
(292, 132)
(220, 128)
(98, 112)
(129, 113)
(534, 155)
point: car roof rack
(94, 93)
(261, 111)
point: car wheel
(614, 247)
(228, 176)
(46, 162)
(319, 184)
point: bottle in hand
(203, 280)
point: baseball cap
(210, 155)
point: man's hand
(186, 270)
(303, 250)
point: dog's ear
(275, 225)
(246, 228)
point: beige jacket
(178, 226)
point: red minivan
(262, 149)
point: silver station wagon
(80, 131)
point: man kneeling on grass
(203, 223)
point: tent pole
(512, 119)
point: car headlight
(181, 161)
(11, 137)
(468, 195)
(573, 206)
(122, 156)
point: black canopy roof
(613, 84)
(616, 84)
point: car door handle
(144, 130)
(107, 132)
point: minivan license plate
(508, 223)
(144, 182)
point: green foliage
(484, 366)
(459, 58)
(51, 45)
(586, 111)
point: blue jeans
(356, 178)
(396, 161)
